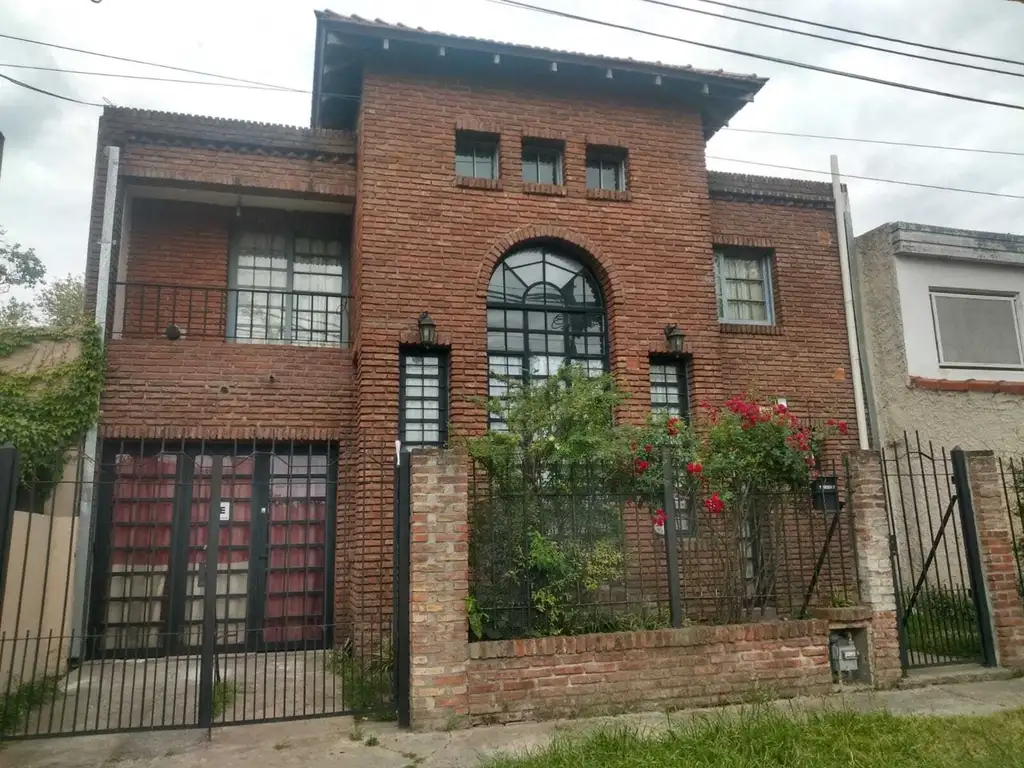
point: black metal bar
(403, 539)
(9, 468)
(972, 547)
(931, 556)
(817, 566)
(675, 602)
(210, 597)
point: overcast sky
(48, 161)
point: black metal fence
(253, 315)
(215, 589)
(1011, 471)
(570, 553)
(932, 539)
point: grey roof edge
(752, 81)
(747, 186)
(932, 241)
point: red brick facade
(422, 242)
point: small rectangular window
(977, 330)
(542, 161)
(669, 393)
(476, 155)
(423, 399)
(606, 168)
(743, 282)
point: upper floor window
(743, 281)
(544, 309)
(669, 395)
(287, 289)
(476, 155)
(606, 168)
(542, 161)
(977, 330)
(423, 399)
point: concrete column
(439, 576)
(874, 564)
(998, 562)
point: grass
(16, 706)
(766, 737)
(366, 679)
(224, 694)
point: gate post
(403, 477)
(874, 563)
(983, 502)
(209, 646)
(8, 494)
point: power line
(816, 36)
(1005, 152)
(149, 63)
(870, 178)
(761, 56)
(148, 77)
(49, 93)
(872, 35)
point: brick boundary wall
(454, 682)
(605, 674)
(997, 557)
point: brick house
(267, 284)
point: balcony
(243, 315)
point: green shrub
(366, 678)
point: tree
(16, 314)
(18, 266)
(61, 303)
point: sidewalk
(340, 741)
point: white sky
(48, 161)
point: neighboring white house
(941, 334)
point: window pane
(977, 330)
(464, 165)
(743, 288)
(423, 408)
(529, 170)
(666, 395)
(546, 170)
(609, 176)
(593, 176)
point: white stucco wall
(916, 276)
(972, 420)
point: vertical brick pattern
(997, 557)
(439, 585)
(874, 564)
(696, 666)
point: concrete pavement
(340, 741)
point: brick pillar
(874, 564)
(439, 639)
(997, 558)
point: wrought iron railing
(247, 315)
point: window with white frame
(743, 283)
(542, 161)
(287, 289)
(606, 168)
(476, 155)
(423, 399)
(977, 330)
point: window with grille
(287, 289)
(423, 398)
(744, 286)
(606, 168)
(544, 309)
(977, 330)
(542, 161)
(476, 155)
(669, 387)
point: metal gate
(214, 592)
(933, 542)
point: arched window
(544, 308)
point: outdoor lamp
(428, 330)
(675, 338)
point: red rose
(843, 429)
(694, 468)
(714, 504)
(660, 517)
(641, 466)
(648, 448)
(781, 408)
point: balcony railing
(245, 315)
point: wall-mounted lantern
(675, 338)
(428, 330)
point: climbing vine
(45, 410)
